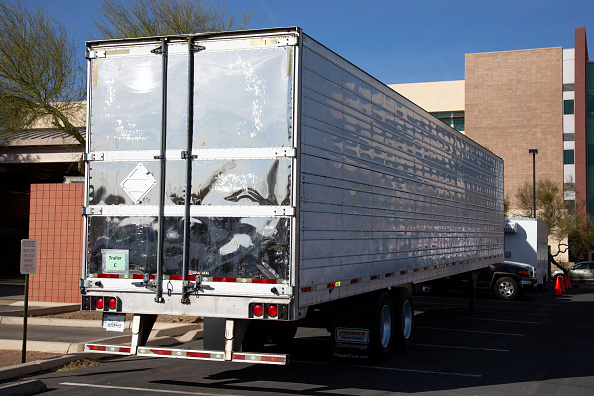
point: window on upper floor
(568, 106)
(568, 157)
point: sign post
(28, 266)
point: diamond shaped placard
(138, 183)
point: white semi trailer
(259, 180)
(527, 241)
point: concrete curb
(59, 322)
(41, 365)
(28, 387)
(38, 308)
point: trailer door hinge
(93, 157)
(184, 155)
(91, 210)
(90, 54)
(197, 48)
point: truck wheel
(506, 289)
(404, 319)
(383, 327)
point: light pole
(533, 152)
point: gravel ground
(10, 358)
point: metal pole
(533, 152)
(161, 219)
(25, 313)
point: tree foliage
(144, 18)
(41, 78)
(565, 222)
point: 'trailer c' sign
(28, 256)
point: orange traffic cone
(562, 282)
(558, 287)
(567, 282)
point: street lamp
(533, 152)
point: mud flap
(352, 335)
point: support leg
(141, 329)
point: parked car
(582, 271)
(506, 280)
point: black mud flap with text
(351, 335)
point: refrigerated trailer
(259, 180)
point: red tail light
(112, 303)
(257, 310)
(99, 303)
(272, 310)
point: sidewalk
(67, 337)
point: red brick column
(55, 221)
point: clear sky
(400, 41)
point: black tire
(404, 319)
(506, 289)
(382, 333)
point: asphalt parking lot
(538, 345)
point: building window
(568, 107)
(568, 157)
(452, 119)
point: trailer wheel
(383, 327)
(506, 289)
(404, 319)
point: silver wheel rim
(407, 319)
(385, 326)
(506, 289)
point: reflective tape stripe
(112, 349)
(332, 285)
(193, 278)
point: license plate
(114, 321)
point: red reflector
(272, 359)
(219, 279)
(269, 281)
(112, 303)
(161, 351)
(197, 354)
(257, 310)
(524, 273)
(272, 310)
(175, 277)
(99, 303)
(125, 350)
(97, 348)
(108, 276)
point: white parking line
(392, 369)
(129, 388)
(472, 331)
(462, 347)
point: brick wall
(56, 223)
(514, 102)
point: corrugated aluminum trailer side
(389, 195)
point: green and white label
(115, 261)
